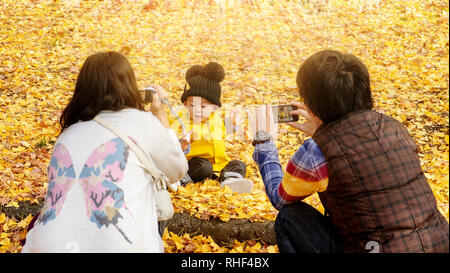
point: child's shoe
(237, 183)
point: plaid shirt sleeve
(306, 173)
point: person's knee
(200, 169)
(284, 214)
(284, 228)
(299, 228)
(295, 212)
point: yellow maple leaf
(12, 204)
(25, 222)
(2, 218)
(5, 243)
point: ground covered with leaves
(261, 44)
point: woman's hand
(312, 122)
(157, 106)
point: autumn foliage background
(261, 44)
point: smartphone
(281, 113)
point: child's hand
(184, 144)
(312, 122)
(185, 140)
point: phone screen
(281, 113)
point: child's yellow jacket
(207, 140)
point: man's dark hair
(334, 84)
(106, 82)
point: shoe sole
(239, 186)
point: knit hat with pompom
(204, 81)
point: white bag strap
(159, 178)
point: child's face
(200, 109)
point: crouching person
(363, 164)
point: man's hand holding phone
(267, 116)
(312, 122)
(282, 113)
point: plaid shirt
(377, 192)
(306, 173)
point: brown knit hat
(204, 81)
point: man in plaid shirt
(363, 165)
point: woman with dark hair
(363, 165)
(99, 198)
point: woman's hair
(106, 82)
(334, 84)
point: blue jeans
(300, 228)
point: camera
(147, 94)
(281, 113)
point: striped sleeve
(306, 173)
(266, 157)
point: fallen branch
(25, 208)
(223, 233)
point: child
(363, 165)
(204, 141)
